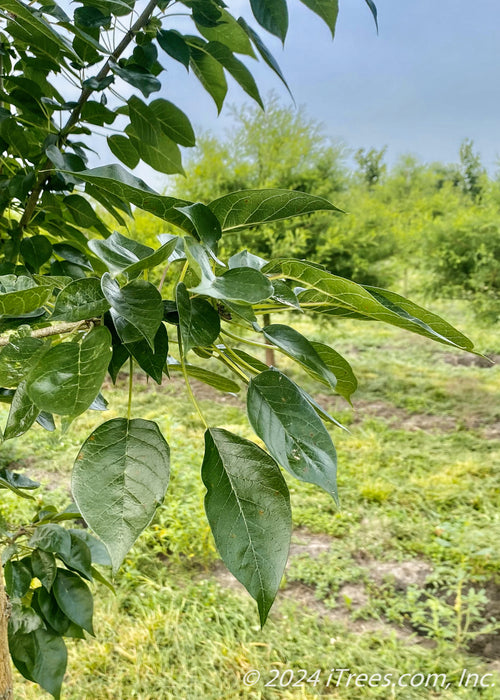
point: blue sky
(427, 81)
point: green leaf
(74, 598)
(98, 551)
(80, 558)
(174, 45)
(328, 10)
(237, 284)
(118, 251)
(236, 68)
(346, 380)
(373, 10)
(136, 309)
(118, 359)
(158, 257)
(34, 23)
(246, 259)
(138, 77)
(18, 577)
(80, 300)
(123, 148)
(284, 294)
(230, 33)
(119, 478)
(72, 254)
(293, 344)
(264, 51)
(17, 357)
(248, 508)
(82, 211)
(114, 180)
(20, 295)
(23, 620)
(257, 365)
(152, 361)
(252, 207)
(22, 414)
(45, 603)
(44, 567)
(35, 251)
(71, 374)
(51, 538)
(272, 15)
(17, 483)
(217, 381)
(174, 122)
(199, 321)
(41, 657)
(206, 224)
(208, 70)
(150, 141)
(291, 430)
(327, 292)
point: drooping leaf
(17, 576)
(150, 141)
(174, 45)
(248, 508)
(346, 380)
(118, 251)
(174, 122)
(35, 250)
(373, 10)
(136, 309)
(291, 430)
(251, 207)
(206, 224)
(123, 148)
(44, 567)
(230, 33)
(41, 657)
(74, 598)
(208, 70)
(296, 346)
(199, 321)
(264, 51)
(71, 374)
(138, 77)
(272, 15)
(119, 478)
(80, 558)
(236, 68)
(22, 414)
(152, 361)
(328, 10)
(80, 300)
(284, 294)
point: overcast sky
(429, 79)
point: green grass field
(403, 579)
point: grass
(403, 578)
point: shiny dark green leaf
(44, 567)
(272, 15)
(123, 148)
(22, 414)
(199, 321)
(119, 479)
(81, 299)
(248, 508)
(174, 122)
(136, 309)
(291, 430)
(74, 598)
(152, 361)
(35, 251)
(174, 45)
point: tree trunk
(270, 361)
(6, 691)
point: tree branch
(73, 118)
(57, 329)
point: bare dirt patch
(466, 360)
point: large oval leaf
(251, 207)
(74, 598)
(237, 284)
(119, 478)
(71, 374)
(291, 430)
(248, 508)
